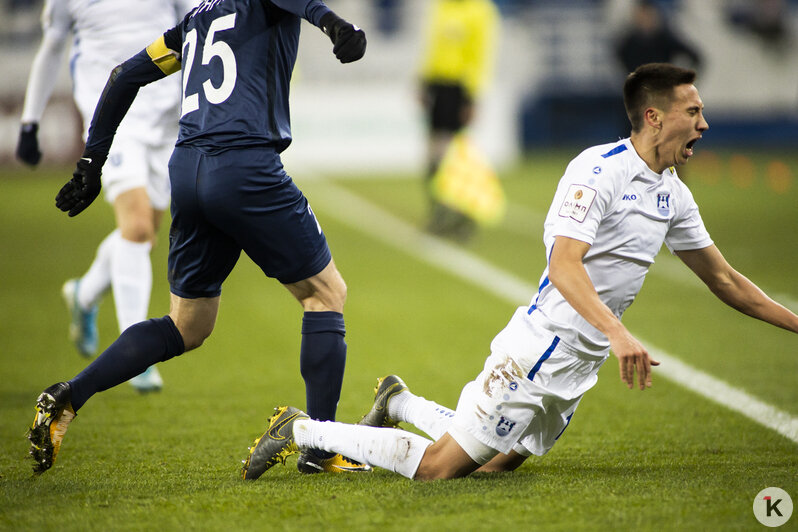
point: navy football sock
(137, 348)
(321, 361)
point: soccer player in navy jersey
(229, 193)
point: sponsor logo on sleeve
(577, 202)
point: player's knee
(330, 296)
(194, 339)
(135, 216)
(325, 291)
(333, 288)
(138, 230)
(194, 332)
(339, 293)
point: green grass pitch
(663, 459)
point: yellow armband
(164, 58)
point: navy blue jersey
(237, 57)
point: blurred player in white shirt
(614, 208)
(105, 33)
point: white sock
(131, 279)
(428, 416)
(97, 280)
(396, 450)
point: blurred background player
(105, 33)
(769, 20)
(460, 44)
(650, 39)
(230, 194)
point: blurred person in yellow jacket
(456, 66)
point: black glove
(84, 186)
(349, 41)
(28, 144)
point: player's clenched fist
(83, 188)
(349, 41)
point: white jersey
(610, 198)
(104, 34)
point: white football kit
(548, 356)
(104, 34)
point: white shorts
(526, 393)
(134, 164)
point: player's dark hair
(652, 85)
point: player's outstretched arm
(568, 275)
(736, 290)
(119, 93)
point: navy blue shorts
(238, 200)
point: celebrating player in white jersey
(105, 33)
(614, 208)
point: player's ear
(653, 117)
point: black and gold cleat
(54, 413)
(309, 462)
(387, 387)
(275, 445)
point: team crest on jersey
(664, 204)
(577, 202)
(504, 426)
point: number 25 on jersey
(213, 46)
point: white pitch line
(726, 395)
(368, 218)
(362, 215)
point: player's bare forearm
(568, 275)
(736, 290)
(743, 295)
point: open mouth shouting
(688, 148)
